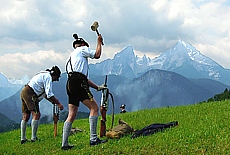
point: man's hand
(54, 100)
(101, 87)
(60, 106)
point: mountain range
(179, 76)
(182, 58)
(7, 88)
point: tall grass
(203, 129)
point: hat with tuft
(122, 106)
(79, 41)
(55, 71)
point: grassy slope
(203, 129)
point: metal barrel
(55, 109)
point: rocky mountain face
(123, 63)
(4, 81)
(182, 58)
(7, 88)
(159, 88)
(155, 88)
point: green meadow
(203, 129)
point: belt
(29, 87)
(77, 74)
(34, 92)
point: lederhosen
(77, 86)
(30, 100)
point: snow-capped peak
(4, 81)
(125, 53)
(183, 54)
(9, 82)
(182, 58)
(22, 81)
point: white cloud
(159, 5)
(218, 51)
(18, 64)
(151, 26)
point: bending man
(39, 87)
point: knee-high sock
(34, 125)
(93, 127)
(66, 132)
(23, 130)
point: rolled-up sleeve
(86, 52)
(48, 88)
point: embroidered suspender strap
(66, 66)
(69, 62)
(36, 101)
(34, 92)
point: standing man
(39, 87)
(77, 88)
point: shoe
(98, 141)
(68, 147)
(34, 140)
(24, 141)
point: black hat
(122, 106)
(79, 41)
(55, 71)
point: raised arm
(99, 48)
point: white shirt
(42, 84)
(79, 60)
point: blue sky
(36, 34)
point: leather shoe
(98, 141)
(34, 140)
(24, 141)
(68, 147)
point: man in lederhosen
(77, 88)
(39, 87)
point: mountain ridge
(131, 80)
(155, 88)
(182, 58)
